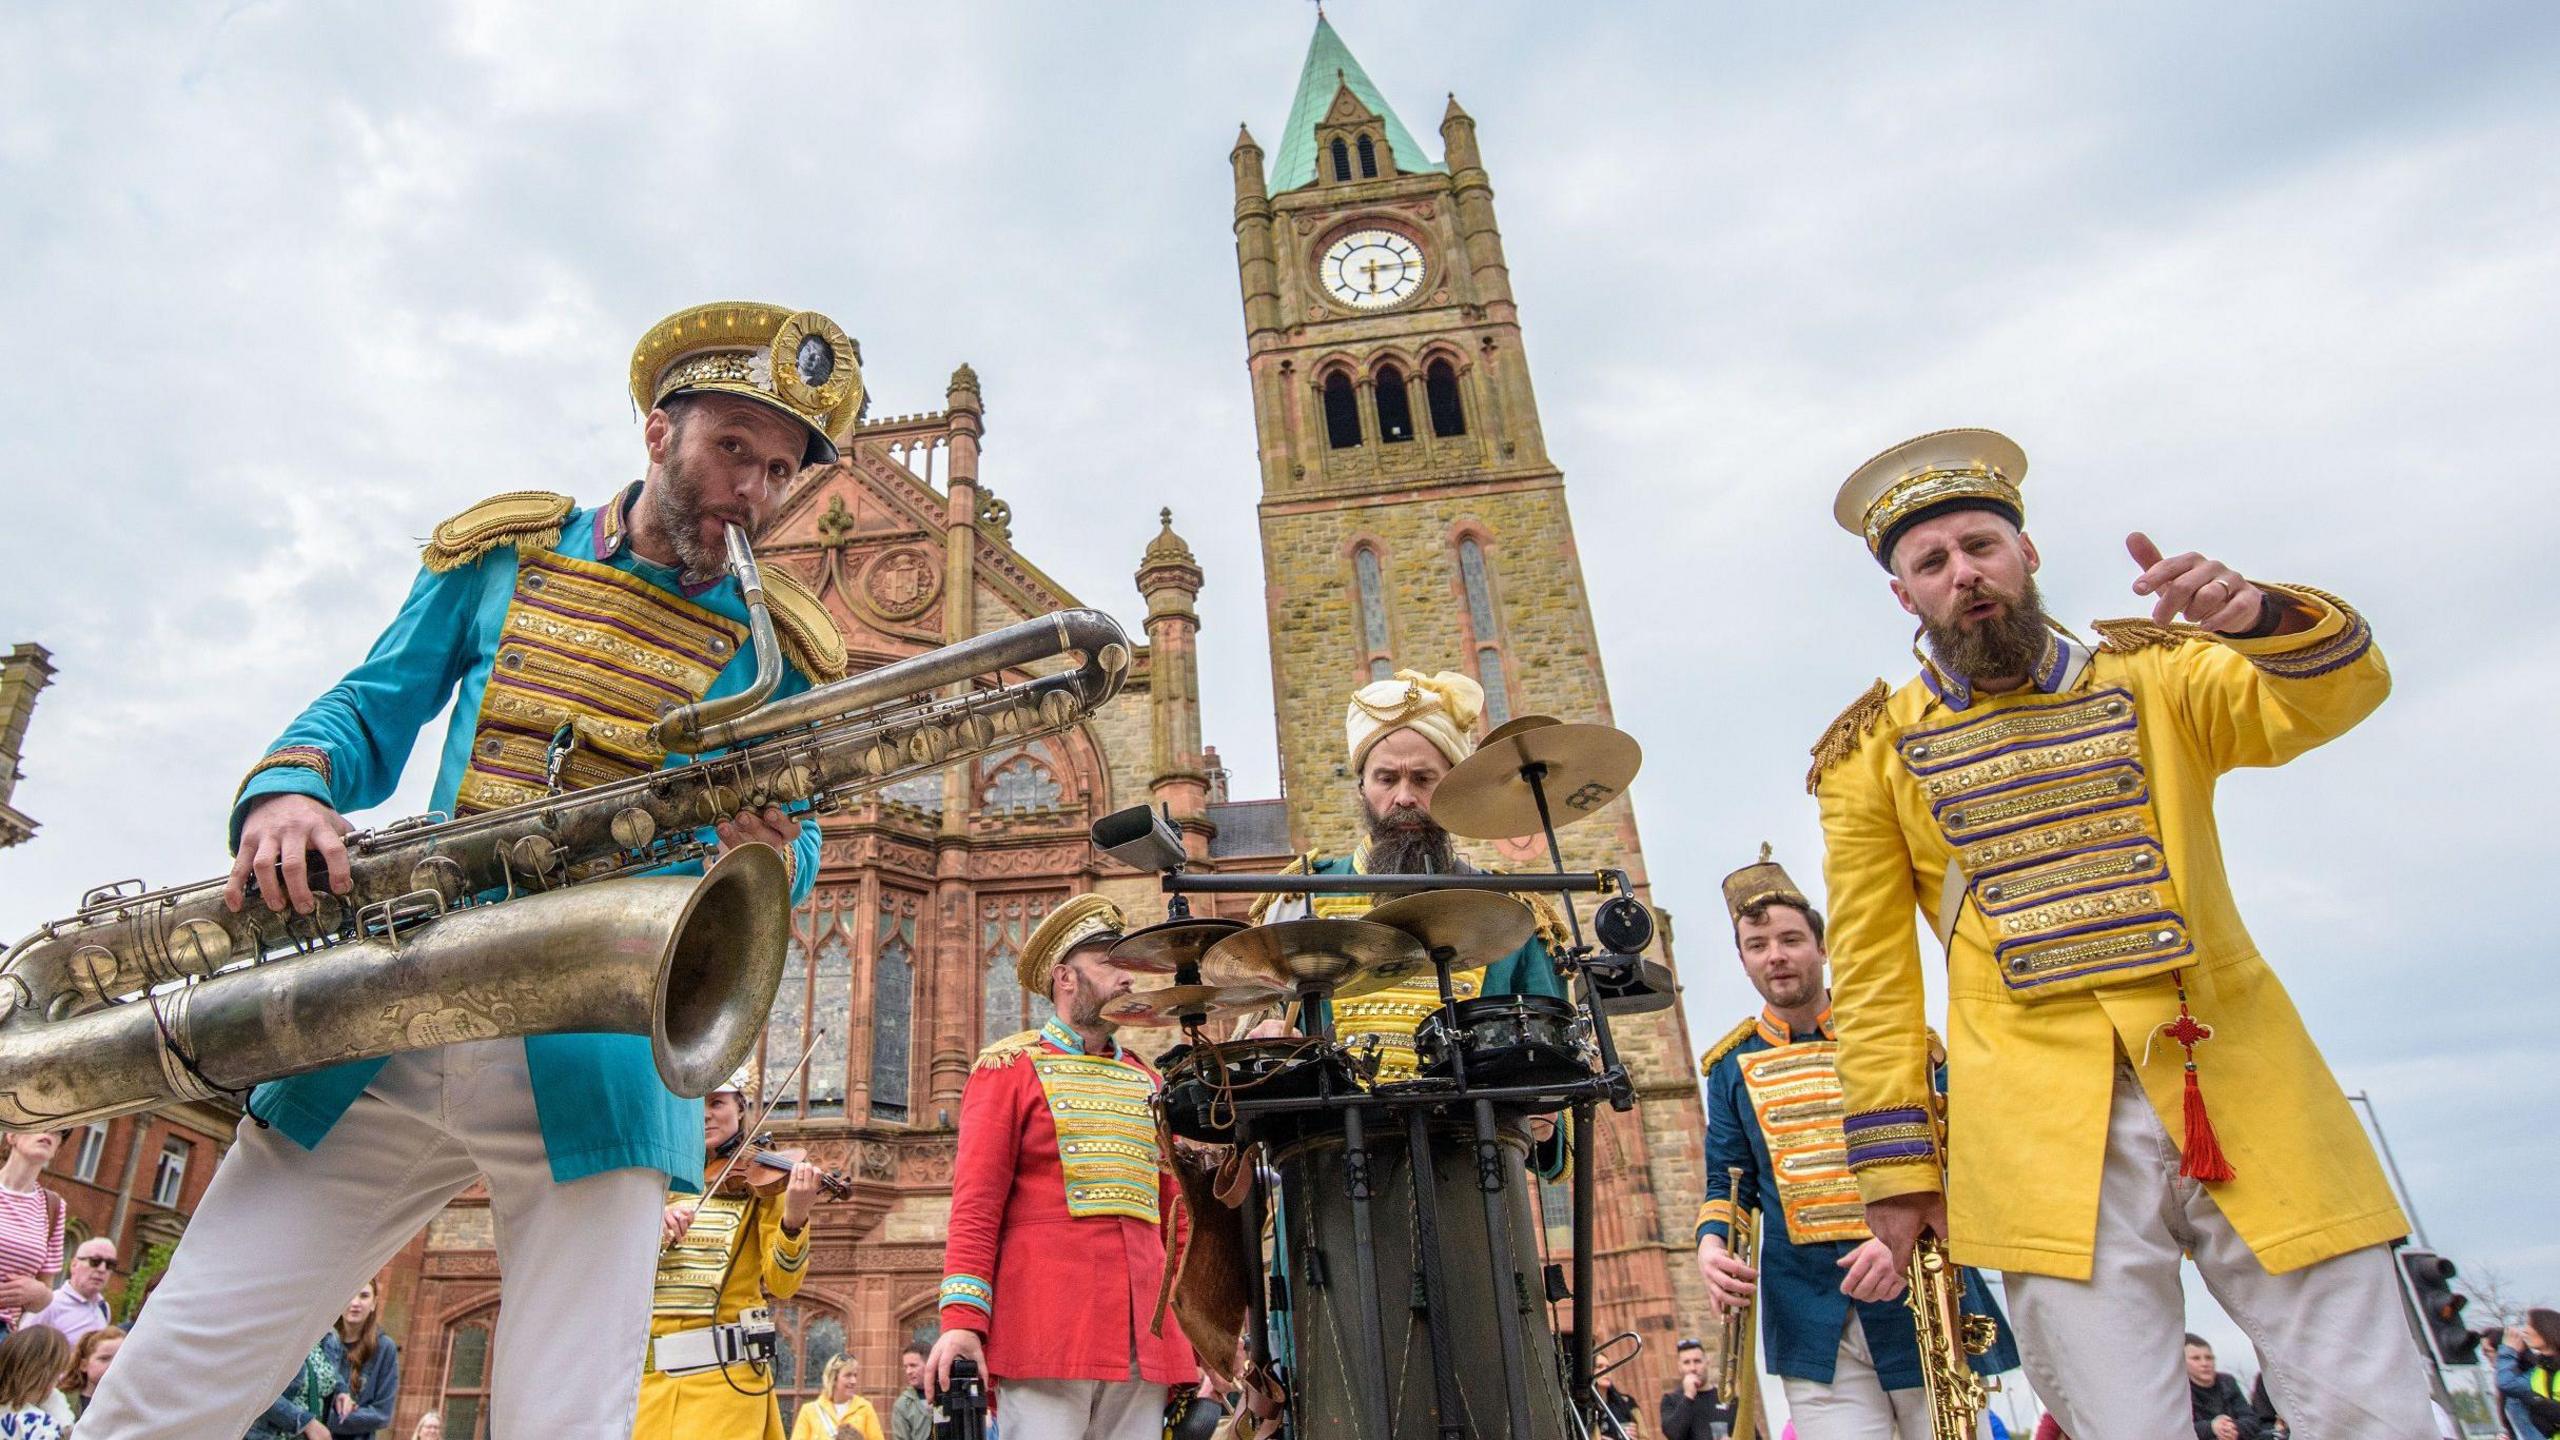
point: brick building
(1410, 516)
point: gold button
(512, 659)
(2165, 937)
(536, 580)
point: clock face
(1372, 269)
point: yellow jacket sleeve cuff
(2338, 637)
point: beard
(1406, 841)
(2004, 647)
(681, 512)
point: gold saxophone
(492, 925)
(1737, 1371)
(1949, 1338)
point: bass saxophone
(493, 925)
(1949, 1338)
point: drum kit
(1403, 1250)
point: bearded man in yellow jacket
(2127, 1080)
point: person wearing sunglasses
(80, 1303)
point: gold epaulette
(523, 518)
(2123, 637)
(808, 632)
(1304, 864)
(1007, 1050)
(1847, 731)
(1731, 1042)
(1551, 922)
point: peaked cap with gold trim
(1080, 920)
(1929, 476)
(799, 363)
(1762, 880)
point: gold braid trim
(1551, 922)
(1303, 865)
(1731, 1042)
(808, 632)
(524, 518)
(2124, 637)
(1846, 732)
(1007, 1050)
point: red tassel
(2203, 1159)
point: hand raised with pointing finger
(2192, 588)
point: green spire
(1329, 67)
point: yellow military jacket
(2077, 814)
(733, 1258)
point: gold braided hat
(1443, 708)
(799, 363)
(1080, 920)
(1762, 880)
(1941, 471)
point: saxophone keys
(199, 946)
(534, 855)
(1057, 709)
(972, 732)
(929, 745)
(633, 827)
(879, 758)
(441, 874)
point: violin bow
(748, 1130)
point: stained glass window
(805, 1338)
(830, 1003)
(1372, 583)
(466, 1380)
(785, 1032)
(1003, 924)
(1497, 691)
(916, 792)
(1021, 783)
(892, 1014)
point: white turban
(1442, 708)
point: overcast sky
(284, 284)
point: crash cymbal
(1481, 926)
(1485, 797)
(1163, 949)
(1651, 989)
(1338, 957)
(1168, 1004)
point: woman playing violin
(742, 1245)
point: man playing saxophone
(1853, 1368)
(560, 633)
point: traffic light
(2439, 1308)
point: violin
(763, 1170)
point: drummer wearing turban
(1060, 1208)
(1403, 735)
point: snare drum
(1202, 1081)
(1508, 1040)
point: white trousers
(1855, 1405)
(1077, 1409)
(2333, 1338)
(285, 1235)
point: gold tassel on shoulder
(1007, 1050)
(1732, 1041)
(1846, 733)
(2124, 637)
(527, 519)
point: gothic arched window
(1369, 576)
(831, 1000)
(1368, 159)
(785, 1029)
(1395, 406)
(1440, 392)
(805, 1338)
(1485, 630)
(1341, 159)
(1021, 783)
(1341, 413)
(1004, 922)
(466, 1379)
(893, 997)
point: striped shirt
(30, 1239)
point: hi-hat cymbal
(1163, 949)
(1168, 1004)
(1339, 957)
(1481, 926)
(1485, 797)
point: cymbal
(1484, 796)
(1164, 948)
(1652, 989)
(1480, 925)
(1167, 1004)
(1340, 957)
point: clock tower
(1412, 518)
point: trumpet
(494, 925)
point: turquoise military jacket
(601, 1104)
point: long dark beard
(680, 516)
(1409, 842)
(2003, 648)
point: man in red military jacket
(1061, 1208)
